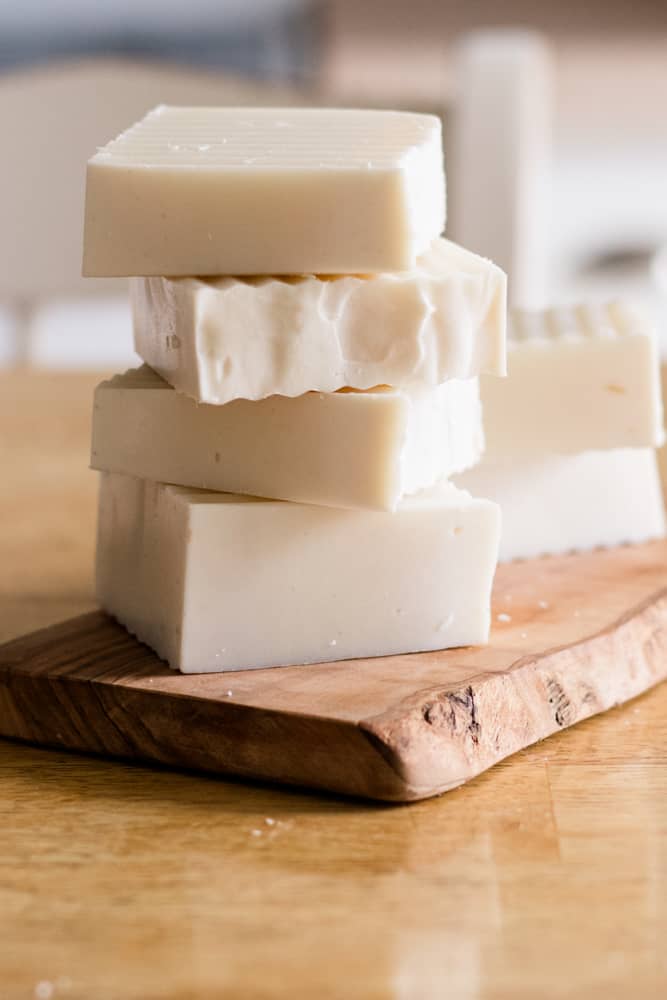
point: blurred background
(554, 116)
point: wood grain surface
(544, 877)
(582, 633)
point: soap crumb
(333, 643)
(543, 604)
(256, 833)
(270, 821)
(502, 617)
(43, 990)
(229, 693)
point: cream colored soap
(344, 449)
(217, 582)
(229, 338)
(578, 380)
(212, 191)
(561, 503)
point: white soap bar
(561, 503)
(229, 338)
(578, 380)
(218, 582)
(344, 449)
(265, 191)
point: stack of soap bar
(571, 433)
(309, 338)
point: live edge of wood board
(572, 636)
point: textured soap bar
(217, 582)
(265, 191)
(229, 338)
(344, 449)
(578, 380)
(560, 503)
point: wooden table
(546, 877)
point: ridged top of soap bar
(290, 138)
(584, 322)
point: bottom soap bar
(561, 503)
(219, 582)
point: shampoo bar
(265, 191)
(343, 449)
(229, 338)
(560, 503)
(578, 380)
(217, 582)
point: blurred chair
(54, 118)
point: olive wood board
(572, 636)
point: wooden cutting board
(572, 636)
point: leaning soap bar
(218, 582)
(344, 449)
(578, 380)
(228, 338)
(552, 504)
(265, 191)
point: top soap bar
(211, 191)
